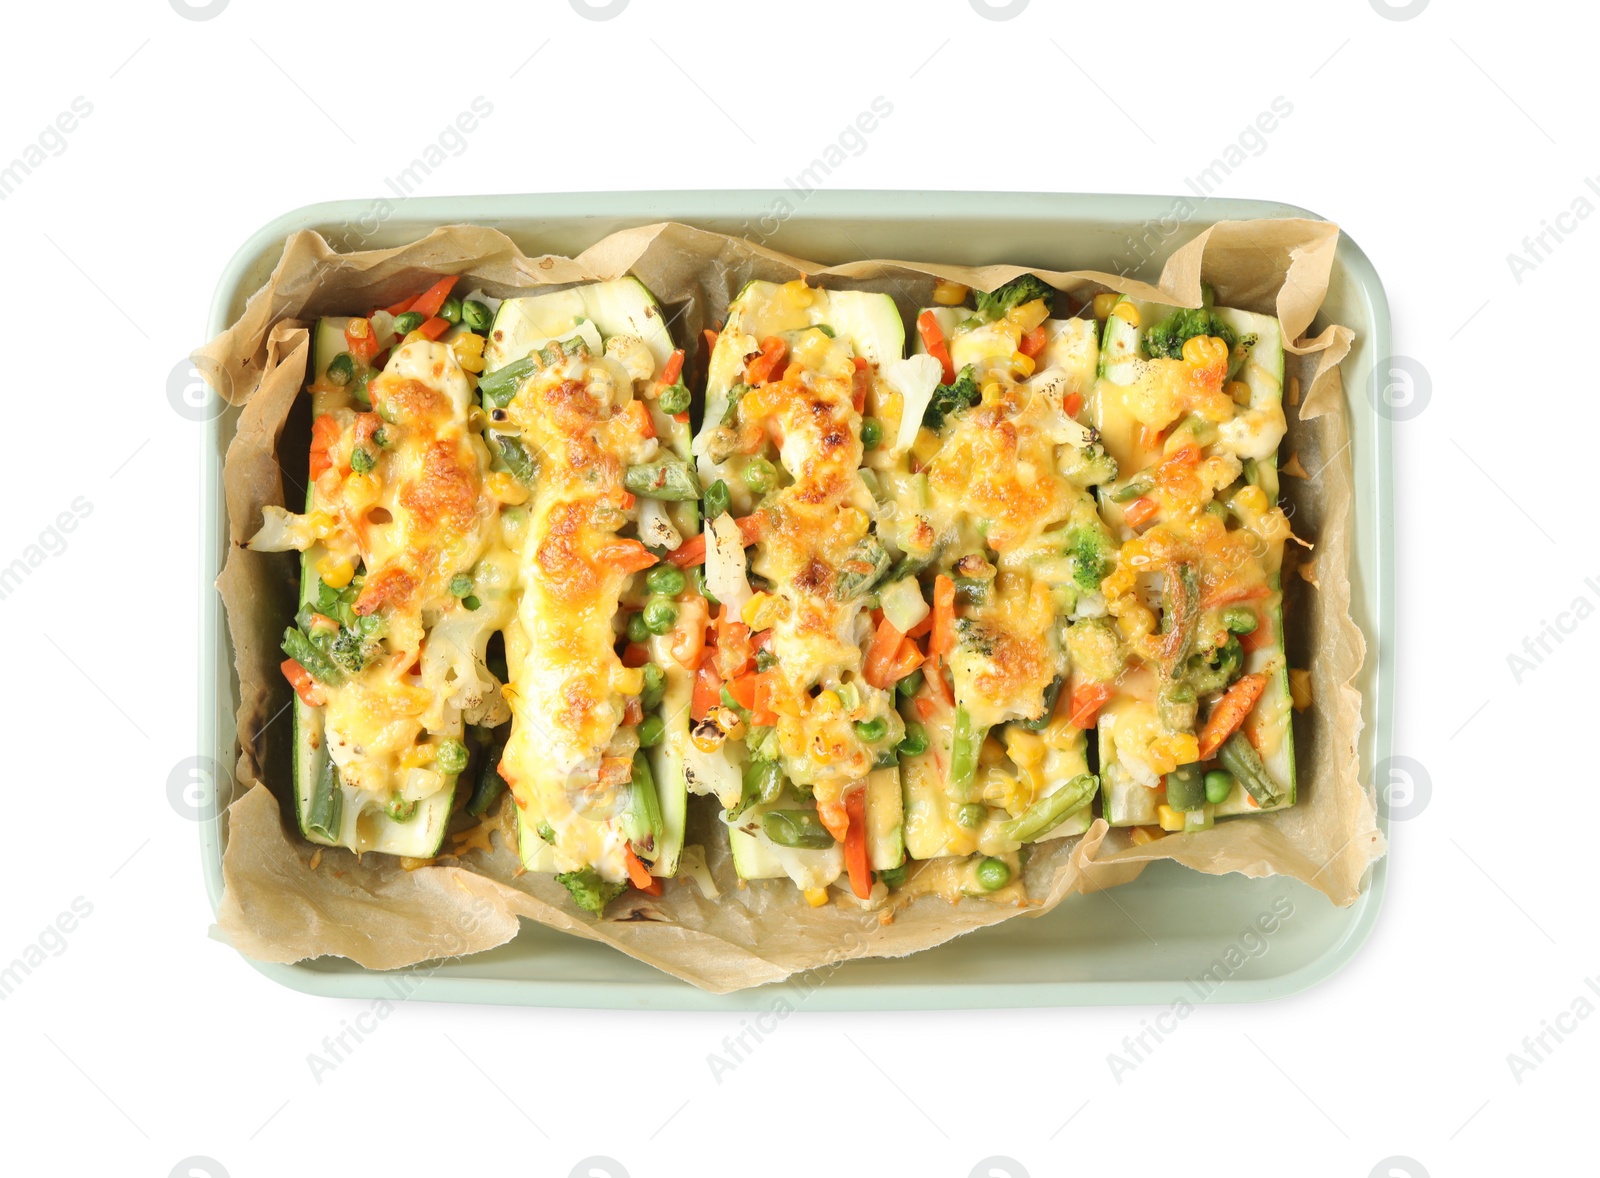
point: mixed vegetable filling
(901, 616)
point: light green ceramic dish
(1163, 938)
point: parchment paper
(372, 909)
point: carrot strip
(943, 638)
(760, 370)
(674, 366)
(1141, 511)
(707, 691)
(639, 875)
(307, 688)
(427, 303)
(1087, 700)
(1230, 712)
(933, 340)
(855, 843)
(435, 327)
(628, 555)
(1072, 403)
(324, 433)
(1235, 596)
(877, 668)
(1033, 342)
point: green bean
(763, 781)
(325, 811)
(342, 369)
(1177, 706)
(871, 731)
(893, 877)
(500, 386)
(1052, 810)
(1186, 788)
(760, 475)
(1051, 694)
(1139, 484)
(1239, 757)
(1219, 786)
(915, 741)
(515, 455)
(866, 553)
(666, 580)
(652, 731)
(655, 685)
(796, 828)
(966, 740)
(717, 500)
(643, 800)
(660, 615)
(663, 478)
(450, 311)
(407, 322)
(674, 399)
(1240, 619)
(972, 815)
(476, 315)
(317, 664)
(993, 874)
(490, 784)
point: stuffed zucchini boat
(792, 732)
(988, 470)
(404, 578)
(1192, 685)
(586, 412)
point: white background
(1438, 142)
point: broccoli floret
(1022, 289)
(1166, 339)
(589, 891)
(1090, 550)
(951, 398)
(1089, 466)
(349, 650)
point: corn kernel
(361, 490)
(1300, 688)
(1026, 748)
(827, 703)
(816, 897)
(336, 571)
(1126, 312)
(1146, 834)
(925, 446)
(417, 756)
(728, 720)
(1028, 315)
(1104, 302)
(799, 293)
(707, 738)
(949, 294)
(1251, 499)
(1171, 820)
(504, 487)
(628, 680)
(1239, 391)
(1205, 351)
(760, 612)
(853, 522)
(1021, 364)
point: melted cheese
(566, 760)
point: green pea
(651, 731)
(361, 461)
(666, 580)
(717, 500)
(400, 809)
(371, 625)
(871, 433)
(341, 369)
(476, 315)
(1219, 786)
(380, 438)
(760, 475)
(460, 585)
(1239, 619)
(765, 660)
(637, 630)
(655, 683)
(915, 741)
(993, 874)
(450, 756)
(451, 311)
(871, 731)
(674, 399)
(973, 815)
(910, 685)
(407, 323)
(660, 615)
(470, 601)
